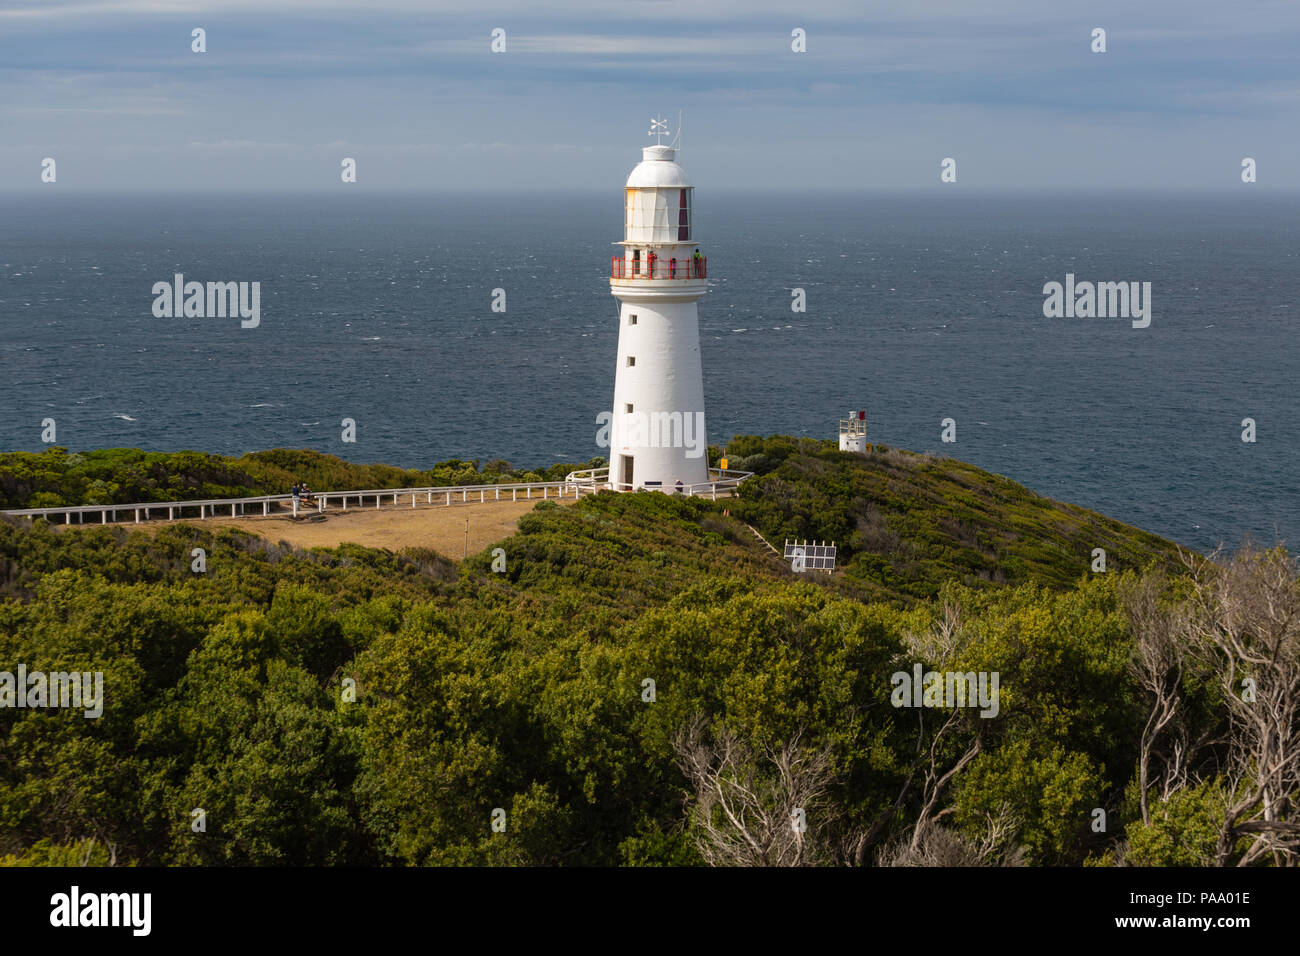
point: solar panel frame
(817, 557)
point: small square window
(628, 408)
(631, 360)
(631, 320)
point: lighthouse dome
(658, 168)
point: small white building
(853, 432)
(657, 435)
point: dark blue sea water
(378, 308)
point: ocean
(920, 307)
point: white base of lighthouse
(657, 434)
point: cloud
(111, 110)
(238, 144)
(414, 89)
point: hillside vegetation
(109, 476)
(640, 666)
(907, 523)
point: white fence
(577, 483)
(280, 504)
(592, 480)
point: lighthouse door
(625, 480)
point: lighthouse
(656, 437)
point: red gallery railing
(657, 268)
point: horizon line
(181, 191)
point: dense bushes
(912, 522)
(356, 706)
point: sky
(1011, 90)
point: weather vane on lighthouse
(658, 129)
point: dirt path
(441, 528)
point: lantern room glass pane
(656, 214)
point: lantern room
(658, 208)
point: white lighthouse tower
(656, 437)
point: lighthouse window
(631, 360)
(628, 408)
(631, 320)
(684, 216)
